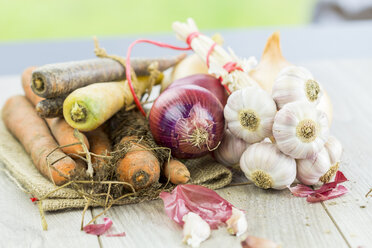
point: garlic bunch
(265, 166)
(295, 83)
(323, 166)
(230, 150)
(300, 130)
(249, 113)
(237, 223)
(195, 229)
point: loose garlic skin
(249, 113)
(296, 83)
(195, 229)
(300, 130)
(230, 150)
(267, 167)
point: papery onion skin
(182, 114)
(205, 81)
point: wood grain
(350, 85)
(20, 223)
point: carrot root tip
(38, 84)
(78, 113)
(140, 179)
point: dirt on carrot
(50, 107)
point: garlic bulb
(323, 166)
(237, 223)
(195, 229)
(295, 83)
(309, 171)
(249, 113)
(230, 150)
(265, 166)
(300, 130)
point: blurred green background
(50, 19)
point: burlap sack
(204, 171)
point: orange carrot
(139, 167)
(64, 135)
(62, 132)
(100, 144)
(176, 172)
(22, 121)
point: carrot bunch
(89, 101)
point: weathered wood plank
(350, 87)
(275, 215)
(20, 223)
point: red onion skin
(207, 82)
(181, 114)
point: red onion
(188, 119)
(206, 81)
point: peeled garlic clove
(271, 63)
(309, 171)
(195, 229)
(295, 83)
(230, 150)
(237, 223)
(249, 113)
(300, 130)
(334, 149)
(265, 166)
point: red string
(191, 36)
(128, 68)
(232, 66)
(209, 53)
(34, 199)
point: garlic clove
(271, 63)
(195, 229)
(309, 171)
(334, 149)
(249, 113)
(267, 167)
(230, 149)
(237, 223)
(300, 130)
(255, 242)
(295, 83)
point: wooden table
(276, 215)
